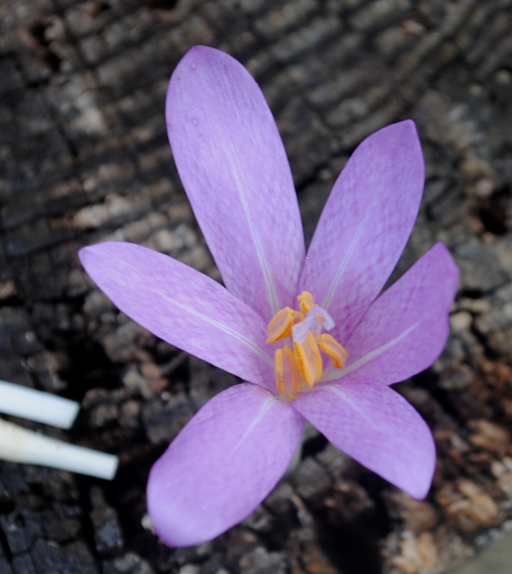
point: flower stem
(37, 406)
(21, 445)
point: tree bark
(84, 158)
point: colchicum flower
(309, 334)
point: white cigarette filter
(21, 445)
(37, 406)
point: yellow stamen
(281, 324)
(336, 352)
(309, 359)
(306, 301)
(299, 364)
(287, 372)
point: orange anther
(336, 352)
(287, 372)
(306, 301)
(309, 359)
(301, 362)
(281, 324)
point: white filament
(315, 321)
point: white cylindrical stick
(18, 444)
(37, 406)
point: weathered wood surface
(84, 157)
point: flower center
(300, 361)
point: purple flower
(309, 333)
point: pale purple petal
(377, 427)
(222, 465)
(233, 166)
(365, 225)
(183, 307)
(406, 328)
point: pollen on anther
(281, 324)
(309, 359)
(336, 352)
(286, 371)
(300, 364)
(306, 301)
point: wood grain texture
(84, 158)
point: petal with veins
(222, 465)
(377, 427)
(365, 225)
(406, 329)
(183, 307)
(233, 166)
